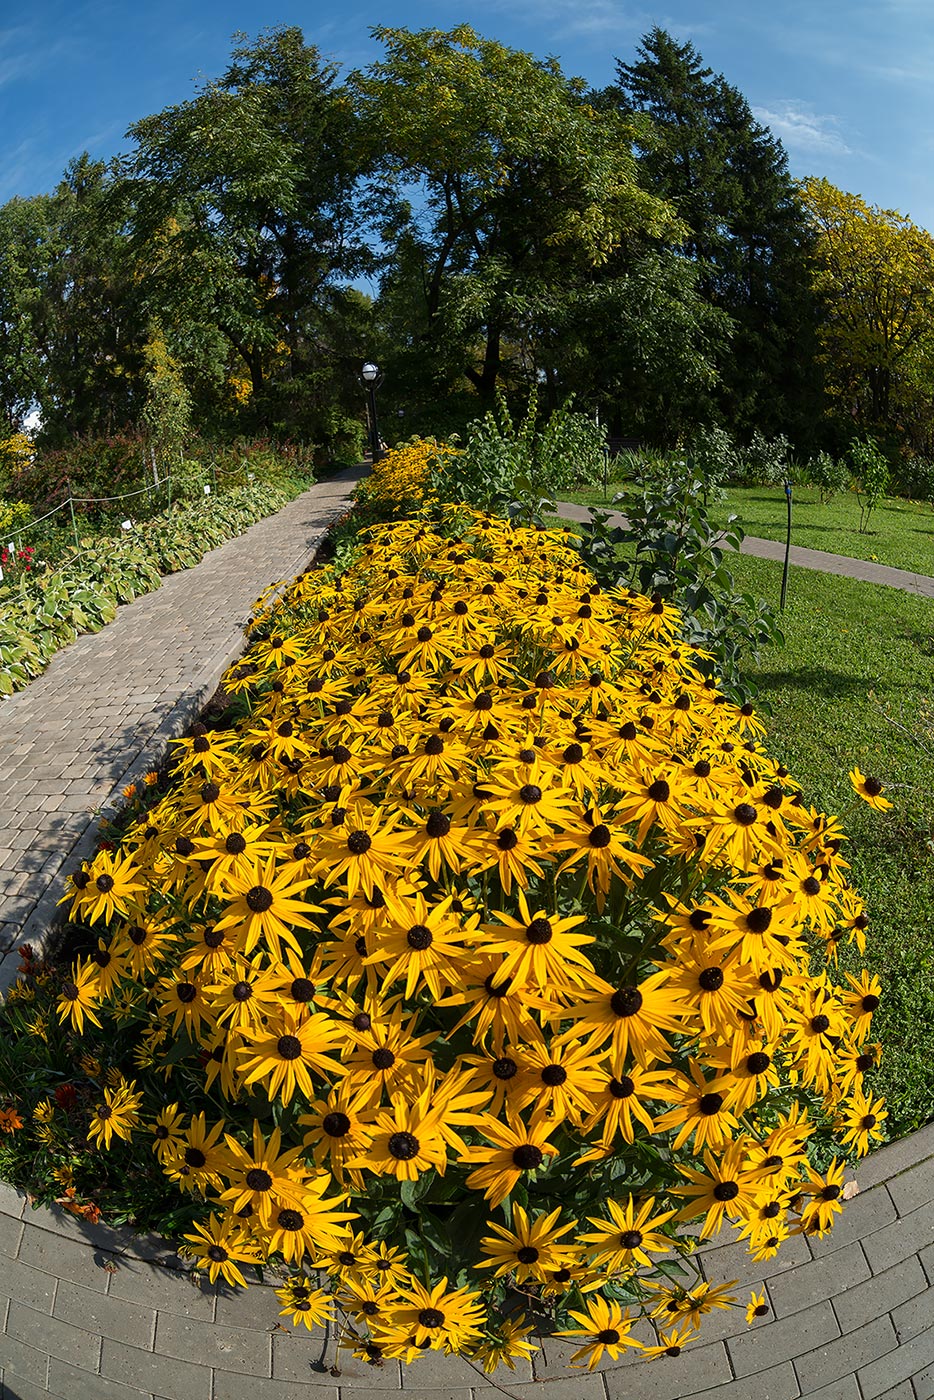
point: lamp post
(371, 378)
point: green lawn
(853, 650)
(901, 533)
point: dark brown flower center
(528, 1157)
(403, 1146)
(627, 1001)
(419, 938)
(258, 1179)
(259, 899)
(289, 1047)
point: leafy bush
(830, 475)
(712, 458)
(481, 949)
(915, 479)
(678, 556)
(766, 461)
(516, 468)
(46, 609)
(871, 478)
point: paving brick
(11, 1231)
(913, 1189)
(900, 1240)
(777, 1383)
(914, 1316)
(229, 1348)
(111, 1317)
(23, 1362)
(14, 1389)
(886, 1162)
(56, 1338)
(821, 1278)
(30, 1286)
(862, 1216)
(784, 1339)
(879, 1294)
(54, 1254)
(922, 1385)
(733, 1261)
(845, 1389)
(593, 1388)
(12, 1203)
(253, 1307)
(73, 1384)
(311, 1359)
(170, 1290)
(836, 1360)
(699, 1368)
(158, 1375)
(230, 1387)
(901, 1365)
(543, 1391)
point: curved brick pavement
(819, 559)
(104, 710)
(93, 1314)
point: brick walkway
(89, 1313)
(107, 706)
(819, 559)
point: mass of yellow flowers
(508, 948)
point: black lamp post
(371, 378)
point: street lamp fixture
(371, 378)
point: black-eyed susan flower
(312, 1223)
(283, 1053)
(515, 1148)
(406, 1141)
(540, 950)
(604, 1329)
(262, 1176)
(266, 903)
(443, 1318)
(79, 995)
(117, 1116)
(624, 1241)
(862, 1118)
(870, 790)
(530, 1250)
(220, 1245)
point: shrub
(871, 478)
(482, 949)
(517, 468)
(829, 474)
(678, 555)
(766, 461)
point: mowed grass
(853, 684)
(900, 533)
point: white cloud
(802, 130)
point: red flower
(66, 1096)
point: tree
(245, 219)
(70, 306)
(875, 271)
(498, 190)
(700, 148)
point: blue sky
(846, 84)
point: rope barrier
(72, 501)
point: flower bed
(480, 968)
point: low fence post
(74, 523)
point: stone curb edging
(93, 1313)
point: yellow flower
(756, 1308)
(870, 790)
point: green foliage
(830, 475)
(870, 476)
(673, 551)
(766, 461)
(46, 610)
(515, 468)
(166, 415)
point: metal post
(74, 526)
(374, 429)
(606, 471)
(787, 547)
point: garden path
(106, 707)
(819, 559)
(89, 1313)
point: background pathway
(104, 710)
(88, 1313)
(818, 559)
